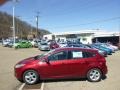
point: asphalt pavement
(9, 57)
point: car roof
(75, 48)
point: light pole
(14, 2)
(14, 21)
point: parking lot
(9, 57)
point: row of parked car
(103, 48)
(17, 44)
(41, 44)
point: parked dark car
(76, 45)
(53, 45)
(62, 63)
(109, 52)
(102, 52)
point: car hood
(27, 60)
(30, 60)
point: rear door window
(75, 54)
(88, 54)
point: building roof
(76, 32)
(95, 33)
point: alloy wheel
(30, 77)
(94, 75)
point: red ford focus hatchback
(62, 63)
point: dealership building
(85, 36)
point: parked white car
(112, 46)
(43, 46)
(5, 42)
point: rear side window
(88, 54)
(80, 54)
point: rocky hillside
(23, 29)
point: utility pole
(14, 2)
(37, 23)
(13, 21)
(119, 36)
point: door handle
(82, 62)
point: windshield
(44, 44)
(44, 54)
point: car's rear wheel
(30, 77)
(30, 46)
(94, 75)
(17, 47)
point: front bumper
(18, 73)
(45, 48)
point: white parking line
(21, 87)
(42, 86)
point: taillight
(101, 60)
(102, 63)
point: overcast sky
(68, 15)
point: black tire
(29, 46)
(18, 46)
(94, 75)
(30, 77)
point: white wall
(61, 38)
(83, 39)
(86, 39)
(48, 36)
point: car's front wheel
(30, 77)
(94, 75)
(16, 47)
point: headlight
(15, 45)
(19, 65)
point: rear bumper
(46, 48)
(109, 52)
(104, 70)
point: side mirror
(46, 60)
